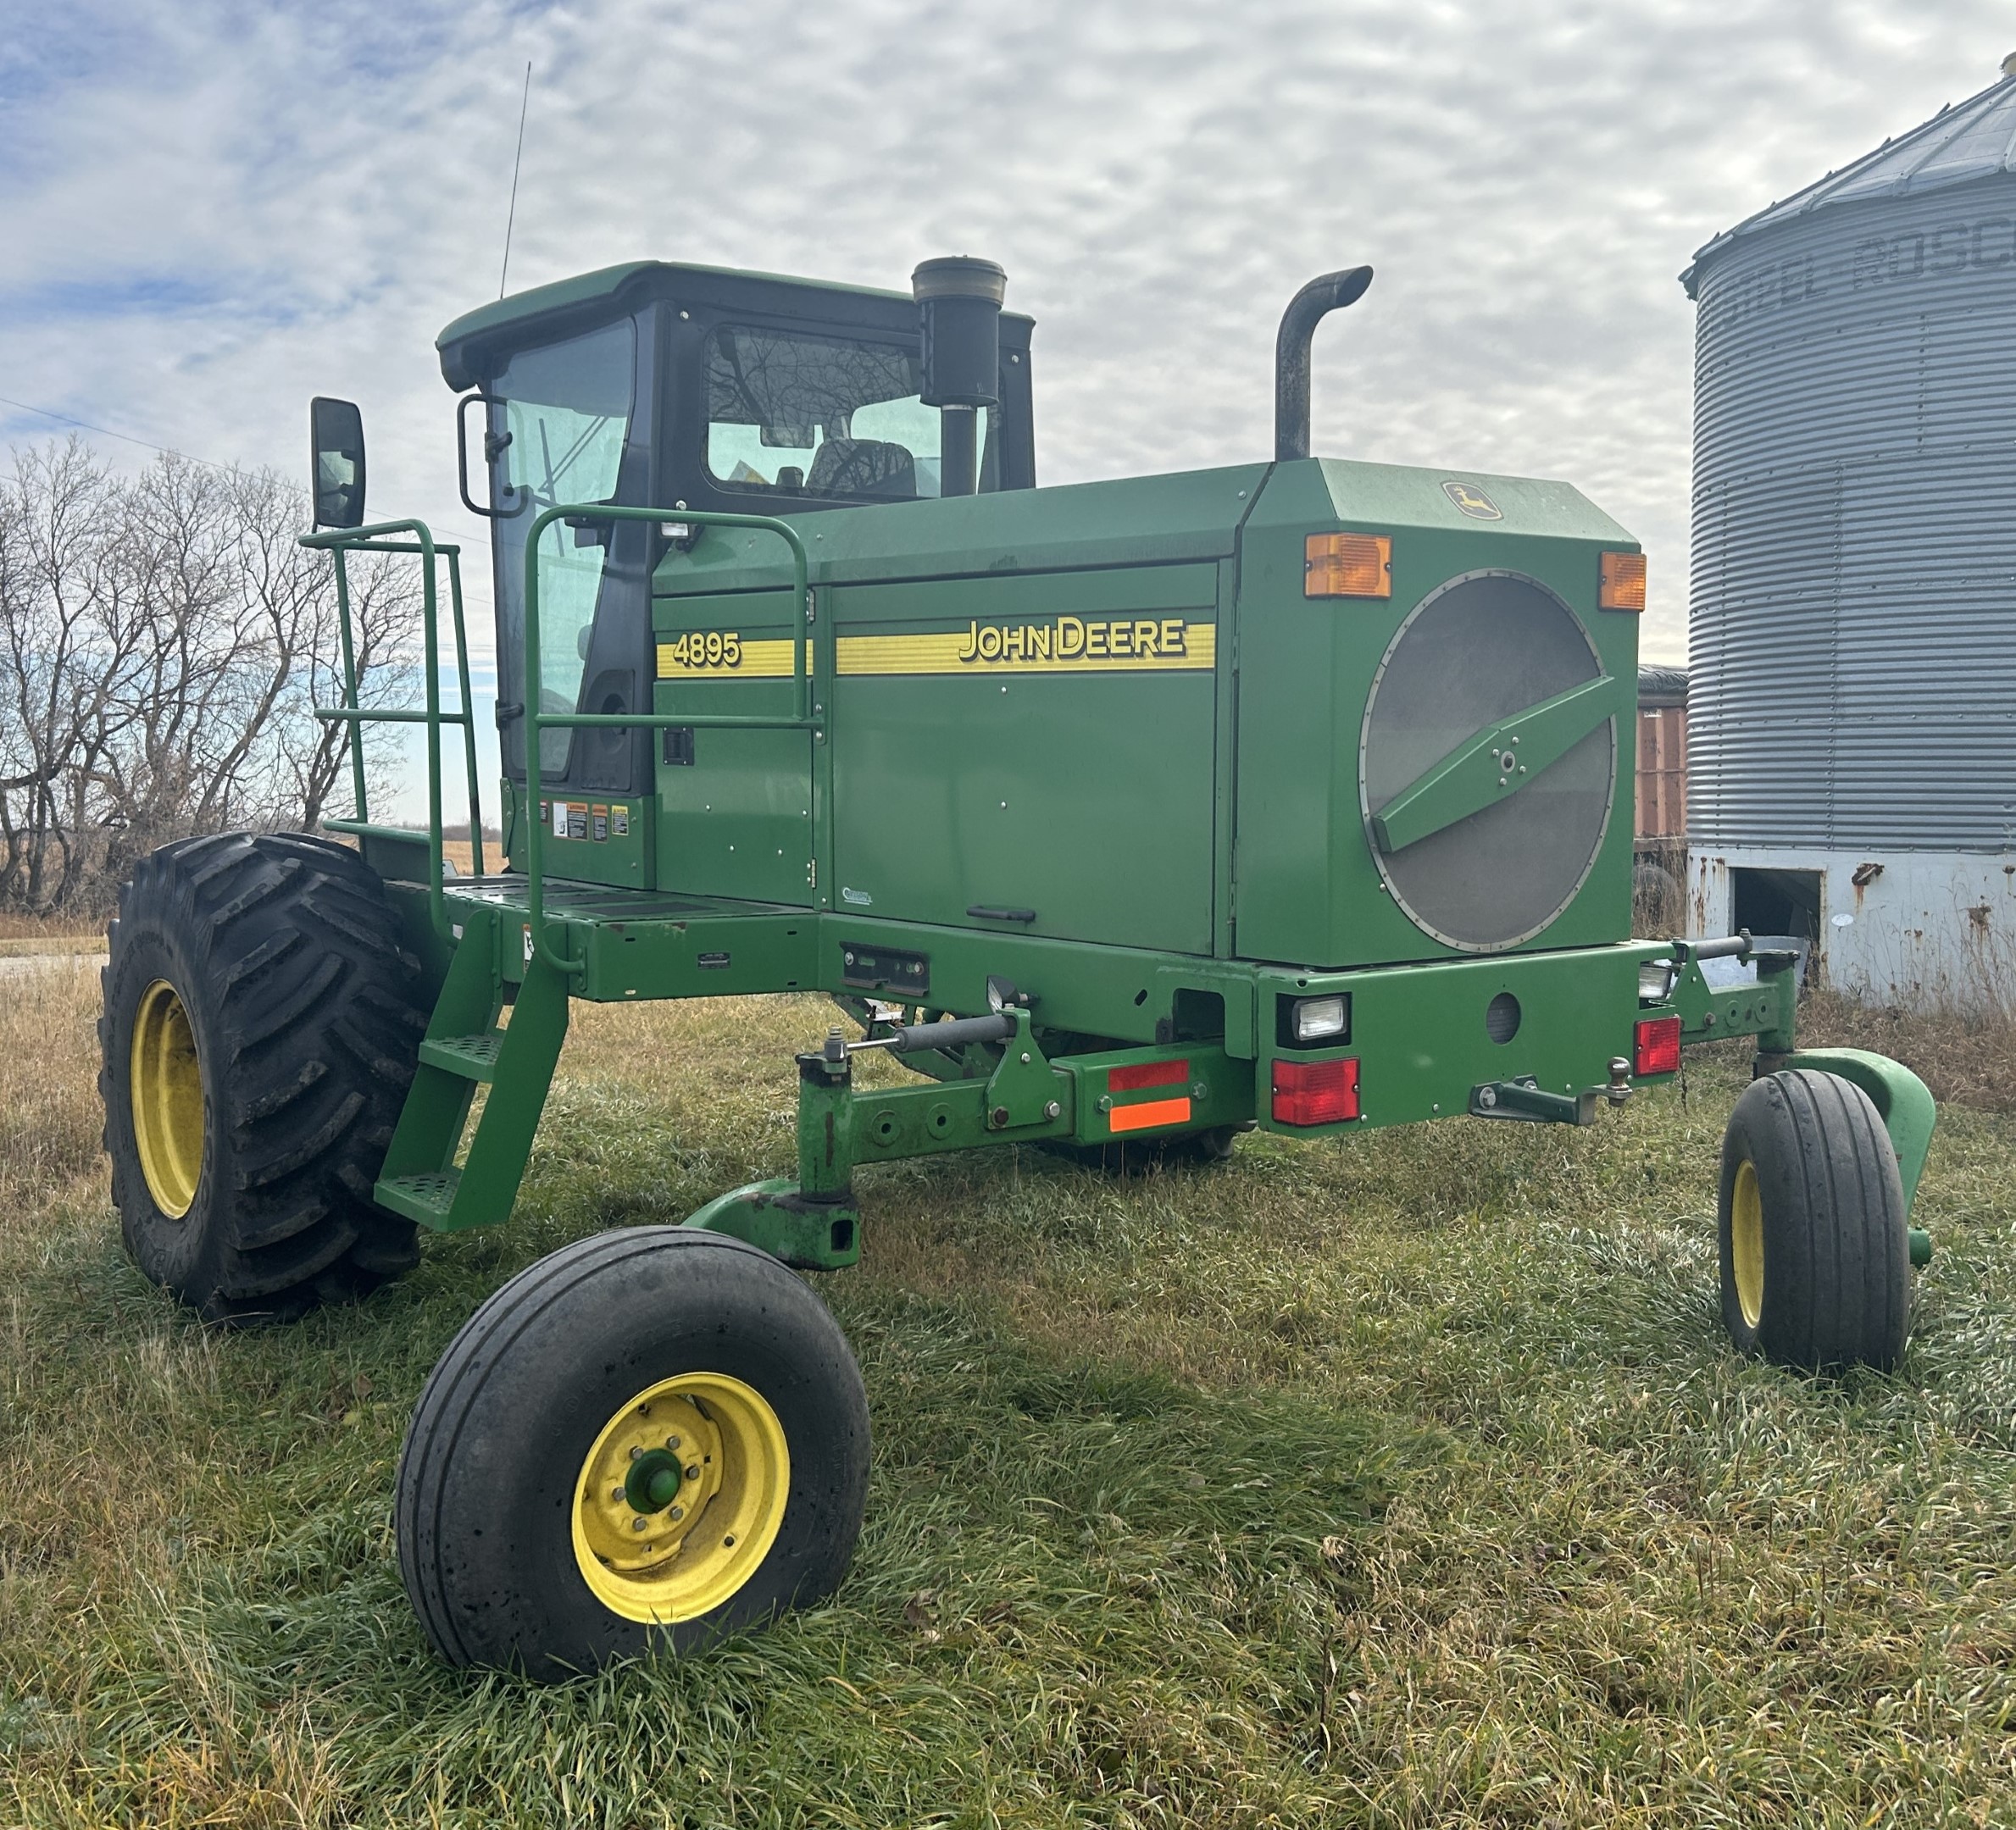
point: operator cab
(703, 388)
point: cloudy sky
(212, 210)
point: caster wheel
(1815, 1251)
(646, 1441)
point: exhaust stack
(1306, 310)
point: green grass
(1402, 1481)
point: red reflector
(1147, 1074)
(1317, 1092)
(1657, 1050)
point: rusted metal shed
(1662, 755)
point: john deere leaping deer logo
(1473, 501)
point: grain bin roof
(1969, 140)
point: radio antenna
(511, 217)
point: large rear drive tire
(645, 1441)
(258, 1036)
(1815, 1248)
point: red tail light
(1313, 1093)
(1657, 1050)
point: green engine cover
(1108, 714)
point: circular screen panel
(1481, 649)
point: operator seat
(864, 466)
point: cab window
(564, 415)
(799, 415)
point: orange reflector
(1623, 586)
(1348, 565)
(1140, 1074)
(1317, 1092)
(1148, 1114)
(1658, 1046)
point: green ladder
(469, 1044)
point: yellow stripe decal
(688, 658)
(1063, 645)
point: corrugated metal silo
(1852, 655)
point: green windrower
(1128, 816)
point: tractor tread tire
(488, 1471)
(1835, 1236)
(290, 960)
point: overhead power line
(474, 600)
(49, 413)
(467, 533)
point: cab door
(734, 806)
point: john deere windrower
(1129, 816)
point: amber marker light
(1623, 586)
(1348, 565)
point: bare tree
(163, 644)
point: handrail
(537, 721)
(468, 720)
(377, 539)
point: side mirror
(336, 435)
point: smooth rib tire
(512, 1499)
(1814, 1242)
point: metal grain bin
(1852, 708)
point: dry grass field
(1402, 1481)
(1970, 1060)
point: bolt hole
(1141, 997)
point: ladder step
(472, 1056)
(425, 1199)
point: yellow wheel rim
(680, 1498)
(1746, 1244)
(167, 1085)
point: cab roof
(473, 346)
